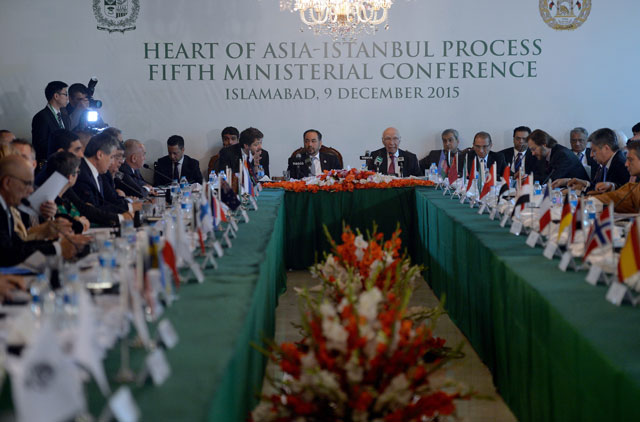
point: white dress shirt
(315, 167)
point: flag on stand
(452, 174)
(600, 234)
(523, 194)
(545, 208)
(506, 178)
(578, 218)
(629, 263)
(169, 257)
(566, 218)
(472, 175)
(442, 163)
(491, 181)
(218, 213)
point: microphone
(148, 167)
(548, 177)
(298, 160)
(366, 156)
(401, 164)
(137, 189)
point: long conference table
(557, 350)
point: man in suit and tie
(560, 161)
(311, 162)
(132, 182)
(450, 143)
(391, 159)
(578, 139)
(610, 171)
(176, 164)
(98, 156)
(16, 184)
(519, 157)
(483, 156)
(50, 119)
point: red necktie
(392, 166)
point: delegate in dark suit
(531, 164)
(564, 164)
(132, 182)
(434, 158)
(492, 157)
(93, 214)
(190, 169)
(87, 189)
(617, 172)
(43, 124)
(230, 157)
(409, 167)
(301, 167)
(14, 250)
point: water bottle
(590, 211)
(107, 261)
(537, 188)
(363, 167)
(185, 204)
(175, 190)
(38, 290)
(70, 288)
(573, 199)
(183, 183)
(260, 173)
(212, 177)
(433, 172)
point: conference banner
(194, 67)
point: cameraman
(78, 104)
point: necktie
(176, 172)
(100, 186)
(604, 173)
(392, 165)
(580, 155)
(314, 160)
(60, 123)
(10, 223)
(518, 163)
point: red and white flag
(490, 182)
(472, 175)
(452, 173)
(545, 208)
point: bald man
(391, 159)
(132, 182)
(16, 183)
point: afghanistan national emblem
(565, 14)
(116, 15)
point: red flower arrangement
(364, 355)
(347, 181)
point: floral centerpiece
(347, 180)
(364, 355)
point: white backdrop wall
(585, 77)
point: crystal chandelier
(340, 18)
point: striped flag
(524, 193)
(567, 216)
(545, 208)
(452, 174)
(600, 234)
(629, 263)
(577, 220)
(491, 181)
(472, 175)
(506, 178)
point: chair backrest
(212, 164)
(324, 150)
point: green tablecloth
(216, 374)
(557, 350)
(307, 212)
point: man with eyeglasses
(578, 139)
(16, 183)
(51, 118)
(483, 156)
(450, 144)
(391, 159)
(132, 182)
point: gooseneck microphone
(148, 167)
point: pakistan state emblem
(565, 14)
(116, 15)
